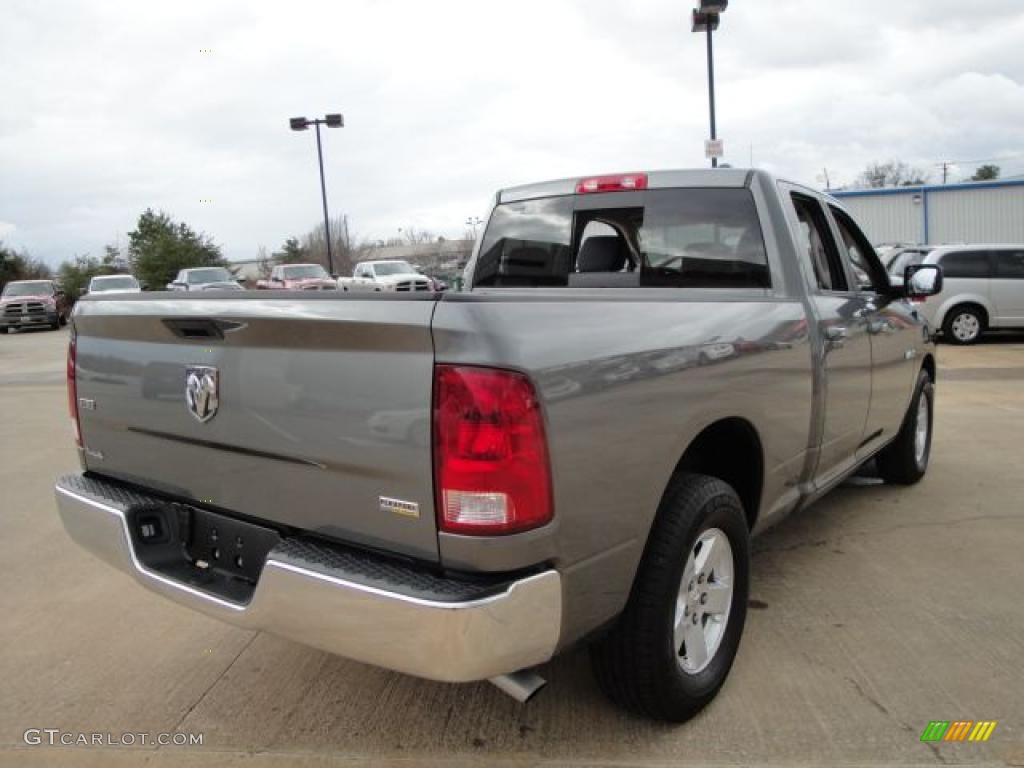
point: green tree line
(157, 249)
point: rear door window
(966, 264)
(1010, 264)
(659, 238)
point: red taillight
(621, 182)
(73, 391)
(491, 471)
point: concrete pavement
(875, 611)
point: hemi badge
(399, 507)
(86, 404)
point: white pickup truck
(392, 275)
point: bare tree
(263, 262)
(414, 236)
(894, 173)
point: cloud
(111, 108)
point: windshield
(905, 259)
(696, 237)
(393, 268)
(100, 284)
(303, 272)
(33, 288)
(210, 275)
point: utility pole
(828, 183)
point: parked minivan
(983, 289)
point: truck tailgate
(322, 407)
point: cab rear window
(701, 238)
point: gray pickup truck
(645, 370)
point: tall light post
(706, 19)
(331, 121)
(473, 222)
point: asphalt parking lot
(874, 612)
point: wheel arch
(929, 365)
(731, 450)
(961, 300)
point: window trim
(831, 247)
(838, 214)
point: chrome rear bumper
(513, 626)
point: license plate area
(201, 549)
(223, 544)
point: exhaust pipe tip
(521, 686)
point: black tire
(900, 462)
(636, 663)
(62, 320)
(969, 315)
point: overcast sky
(107, 108)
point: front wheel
(670, 651)
(905, 460)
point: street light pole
(706, 19)
(323, 195)
(331, 121)
(711, 89)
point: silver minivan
(983, 289)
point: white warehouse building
(973, 212)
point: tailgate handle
(201, 327)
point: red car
(299, 277)
(25, 303)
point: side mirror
(922, 280)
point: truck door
(893, 328)
(842, 336)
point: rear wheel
(905, 460)
(963, 324)
(671, 650)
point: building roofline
(919, 188)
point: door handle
(880, 326)
(835, 333)
(835, 336)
